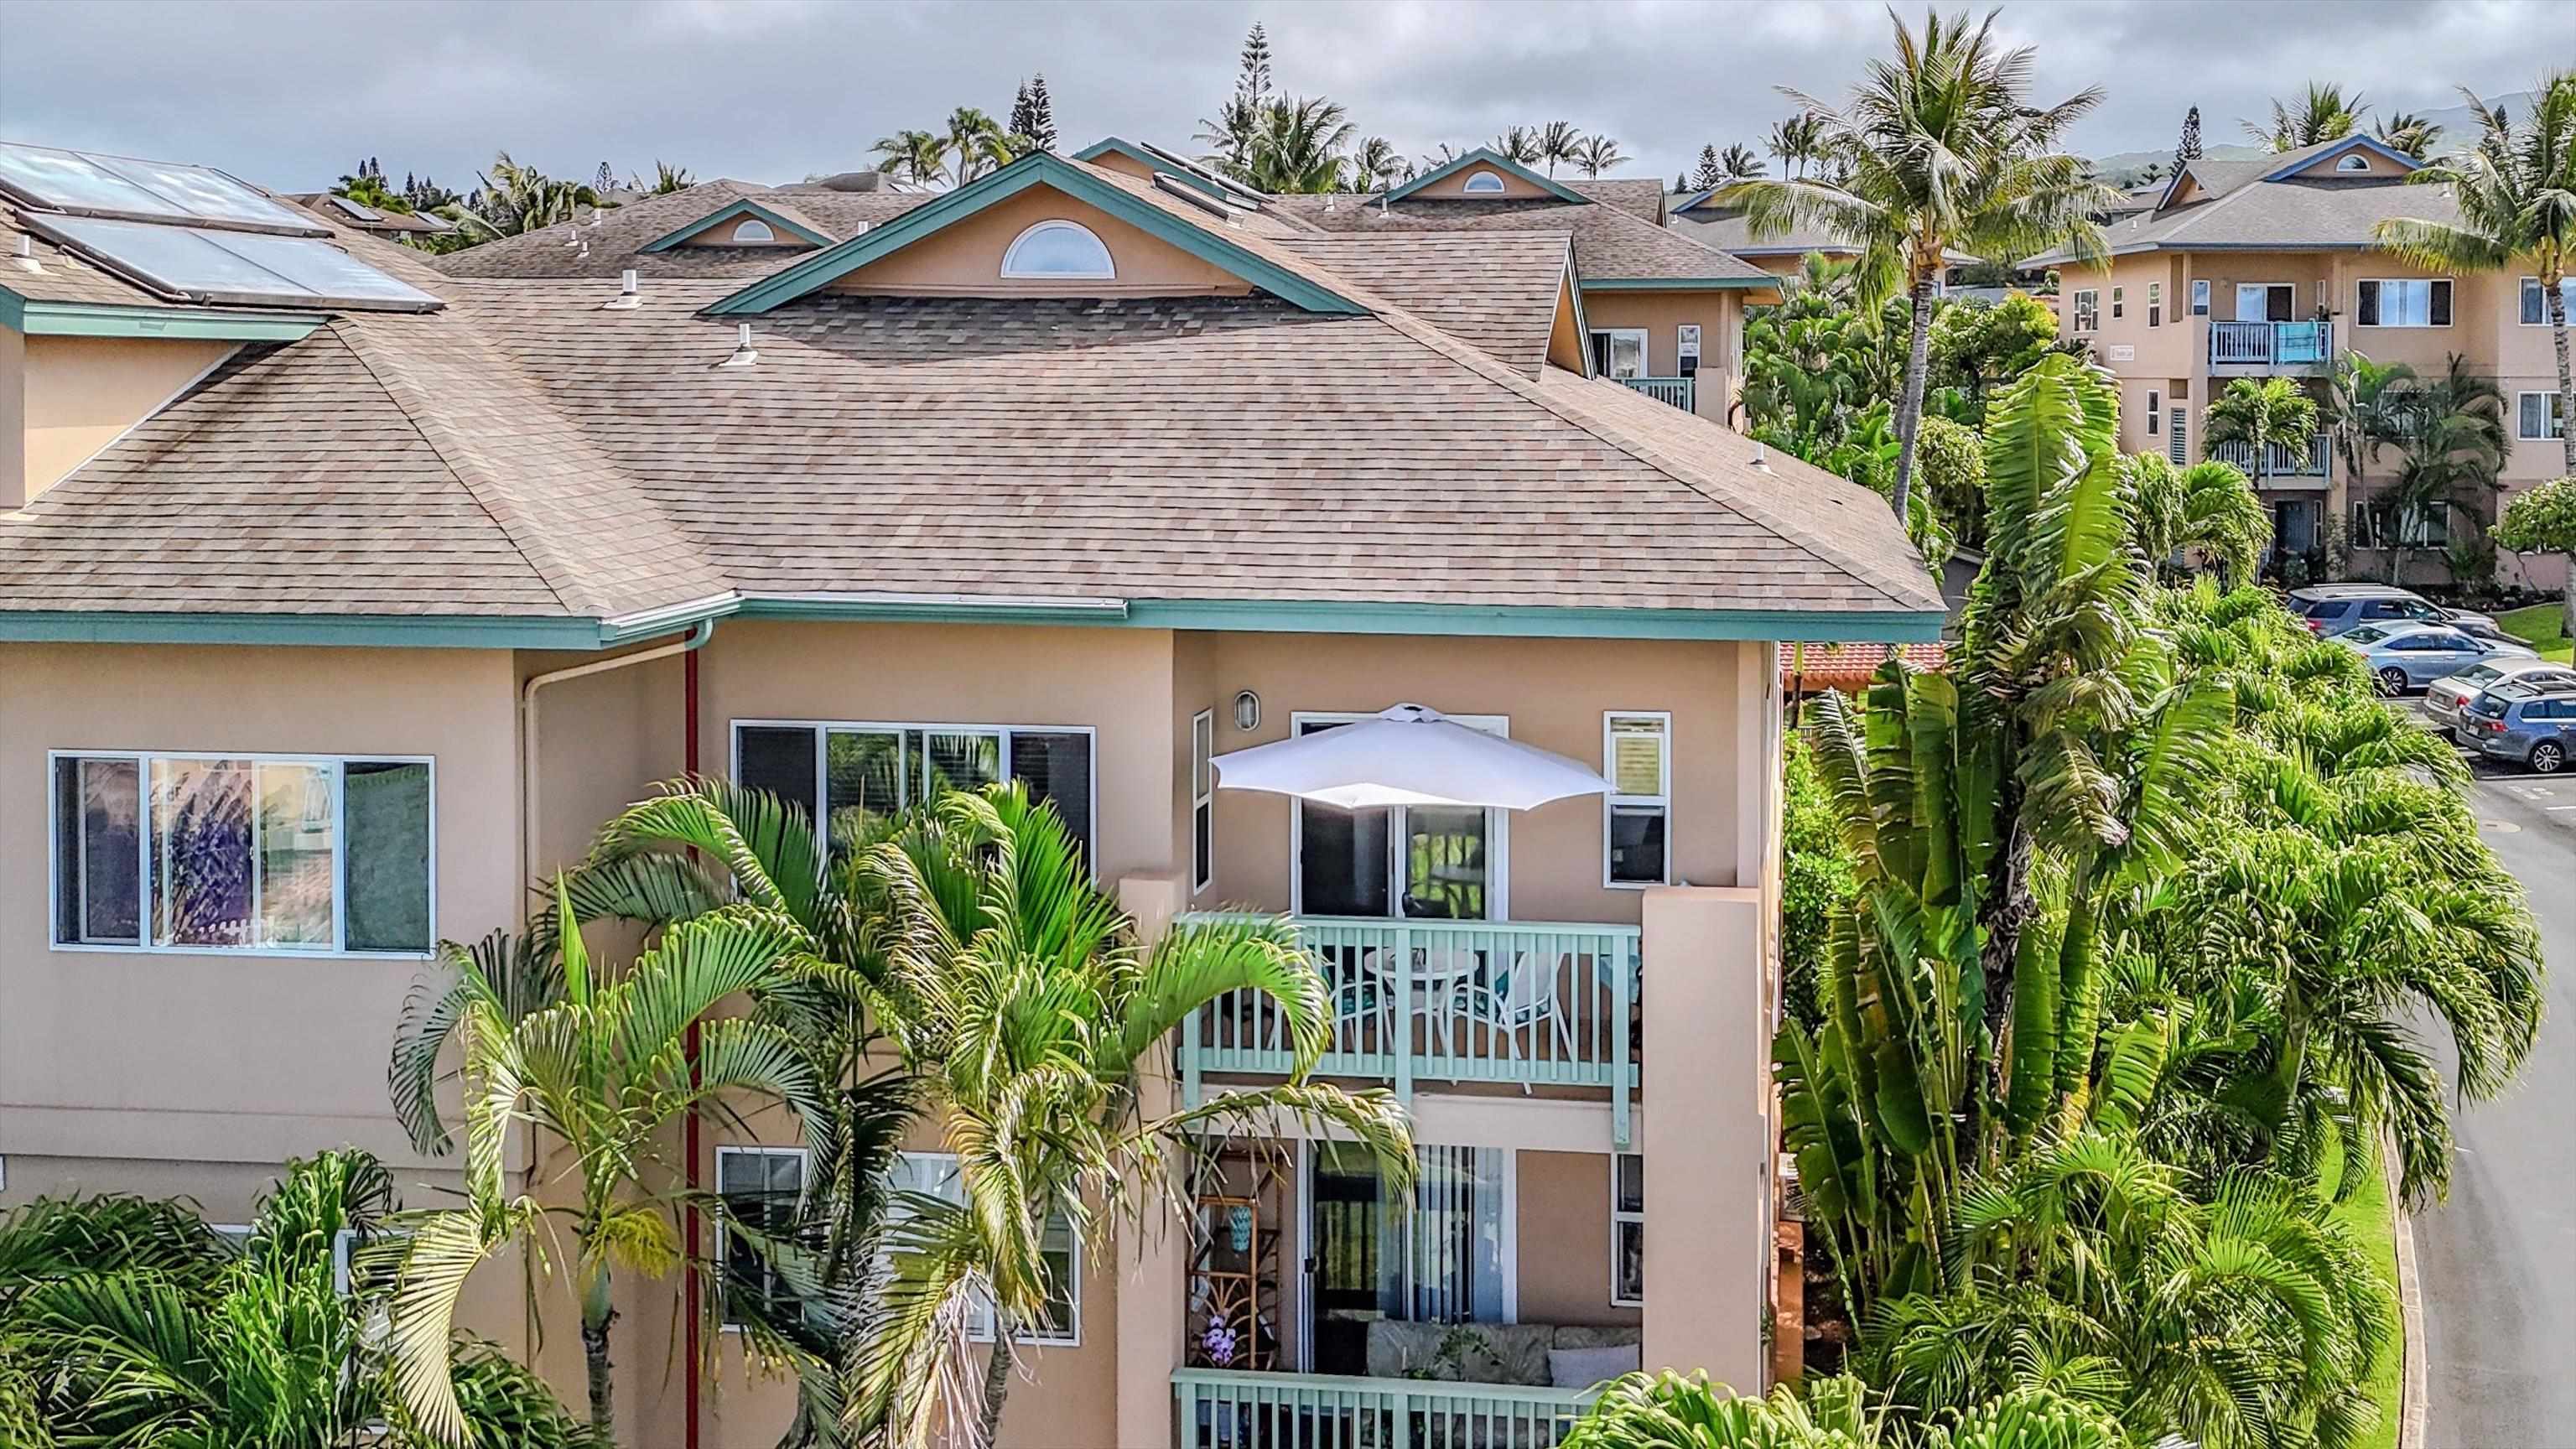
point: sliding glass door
(1425, 862)
(1373, 1256)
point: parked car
(2536, 727)
(2409, 659)
(2447, 698)
(2333, 608)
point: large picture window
(1422, 861)
(2404, 302)
(242, 853)
(934, 1174)
(2536, 416)
(2535, 300)
(830, 768)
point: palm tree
(667, 178)
(1938, 149)
(1298, 149)
(1558, 141)
(2516, 195)
(1794, 142)
(2456, 442)
(367, 187)
(516, 200)
(1518, 143)
(1231, 133)
(2321, 114)
(2408, 132)
(1038, 1020)
(1739, 163)
(601, 1074)
(976, 144)
(1598, 154)
(912, 158)
(2365, 409)
(2207, 506)
(126, 1320)
(2262, 414)
(1375, 164)
(1668, 1411)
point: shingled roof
(1611, 243)
(580, 248)
(1496, 291)
(2255, 204)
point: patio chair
(1521, 997)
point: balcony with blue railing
(2310, 460)
(2252, 347)
(1224, 1410)
(1681, 392)
(1527, 1003)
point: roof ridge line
(1642, 451)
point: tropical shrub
(2543, 520)
(1668, 1411)
(1817, 880)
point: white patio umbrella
(1408, 755)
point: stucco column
(1153, 1255)
(1707, 1133)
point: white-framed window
(1483, 183)
(2353, 162)
(2155, 410)
(1686, 349)
(1628, 1229)
(2200, 296)
(1637, 814)
(752, 229)
(242, 853)
(829, 766)
(2088, 309)
(1202, 801)
(2534, 311)
(2403, 302)
(1619, 351)
(1059, 248)
(1422, 862)
(761, 1187)
(2119, 307)
(2155, 304)
(934, 1174)
(2537, 416)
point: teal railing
(2270, 344)
(1224, 1410)
(1525, 1003)
(1681, 392)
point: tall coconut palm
(1739, 163)
(2208, 506)
(2365, 410)
(977, 144)
(1375, 164)
(1938, 149)
(2515, 192)
(1793, 141)
(2408, 132)
(2262, 413)
(1038, 1020)
(1230, 133)
(2455, 442)
(1598, 154)
(912, 158)
(1298, 148)
(1558, 141)
(2321, 113)
(1517, 143)
(600, 1077)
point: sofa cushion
(1581, 1368)
(1476, 1353)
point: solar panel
(358, 209)
(233, 266)
(86, 183)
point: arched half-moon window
(1058, 249)
(1483, 183)
(752, 229)
(2354, 162)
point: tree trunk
(1909, 411)
(594, 1349)
(997, 1382)
(2553, 291)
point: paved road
(2499, 1257)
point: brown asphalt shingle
(1497, 291)
(1609, 243)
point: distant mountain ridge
(2459, 129)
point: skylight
(86, 184)
(202, 264)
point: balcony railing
(2312, 459)
(2270, 344)
(1527, 1003)
(1223, 1410)
(1681, 392)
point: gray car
(2445, 701)
(2517, 722)
(2330, 609)
(2405, 660)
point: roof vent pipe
(1760, 459)
(24, 254)
(743, 355)
(627, 298)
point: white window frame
(1025, 1337)
(2531, 286)
(1202, 797)
(2547, 410)
(1107, 271)
(2087, 310)
(2155, 304)
(2352, 161)
(823, 759)
(2200, 296)
(142, 760)
(1618, 1216)
(2428, 283)
(724, 1150)
(1498, 853)
(752, 231)
(1474, 184)
(2119, 303)
(2268, 288)
(1645, 347)
(2155, 412)
(1610, 800)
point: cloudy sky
(290, 95)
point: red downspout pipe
(689, 757)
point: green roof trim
(1677, 284)
(1160, 166)
(1039, 168)
(1488, 156)
(396, 631)
(35, 318)
(1534, 621)
(718, 217)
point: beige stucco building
(1079, 475)
(2269, 268)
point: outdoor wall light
(1247, 711)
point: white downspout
(697, 638)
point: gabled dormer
(1485, 174)
(2351, 158)
(745, 223)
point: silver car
(2404, 660)
(2446, 700)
